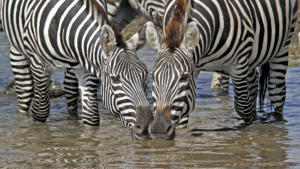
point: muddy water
(213, 138)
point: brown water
(64, 142)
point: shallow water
(64, 142)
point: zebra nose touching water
(232, 37)
(77, 36)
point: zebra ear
(191, 36)
(107, 38)
(153, 37)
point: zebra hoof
(73, 112)
(278, 116)
(222, 92)
(269, 117)
(248, 121)
(265, 117)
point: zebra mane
(174, 27)
(118, 35)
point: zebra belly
(214, 66)
(59, 65)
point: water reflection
(66, 142)
(259, 145)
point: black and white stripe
(174, 85)
(236, 37)
(65, 34)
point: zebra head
(124, 82)
(173, 73)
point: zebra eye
(184, 77)
(115, 79)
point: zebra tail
(263, 84)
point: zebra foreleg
(41, 78)
(23, 79)
(244, 81)
(253, 88)
(276, 84)
(71, 91)
(88, 85)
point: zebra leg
(225, 84)
(71, 91)
(88, 85)
(216, 81)
(253, 88)
(245, 91)
(220, 83)
(276, 83)
(41, 78)
(23, 79)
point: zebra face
(124, 81)
(173, 92)
(127, 78)
(174, 83)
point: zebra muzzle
(143, 119)
(162, 127)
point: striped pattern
(155, 9)
(123, 85)
(65, 34)
(43, 38)
(174, 85)
(151, 9)
(235, 38)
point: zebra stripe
(50, 35)
(154, 11)
(235, 38)
(174, 88)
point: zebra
(75, 35)
(227, 36)
(116, 12)
(153, 10)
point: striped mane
(174, 27)
(118, 36)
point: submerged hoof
(265, 117)
(269, 117)
(222, 92)
(278, 116)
